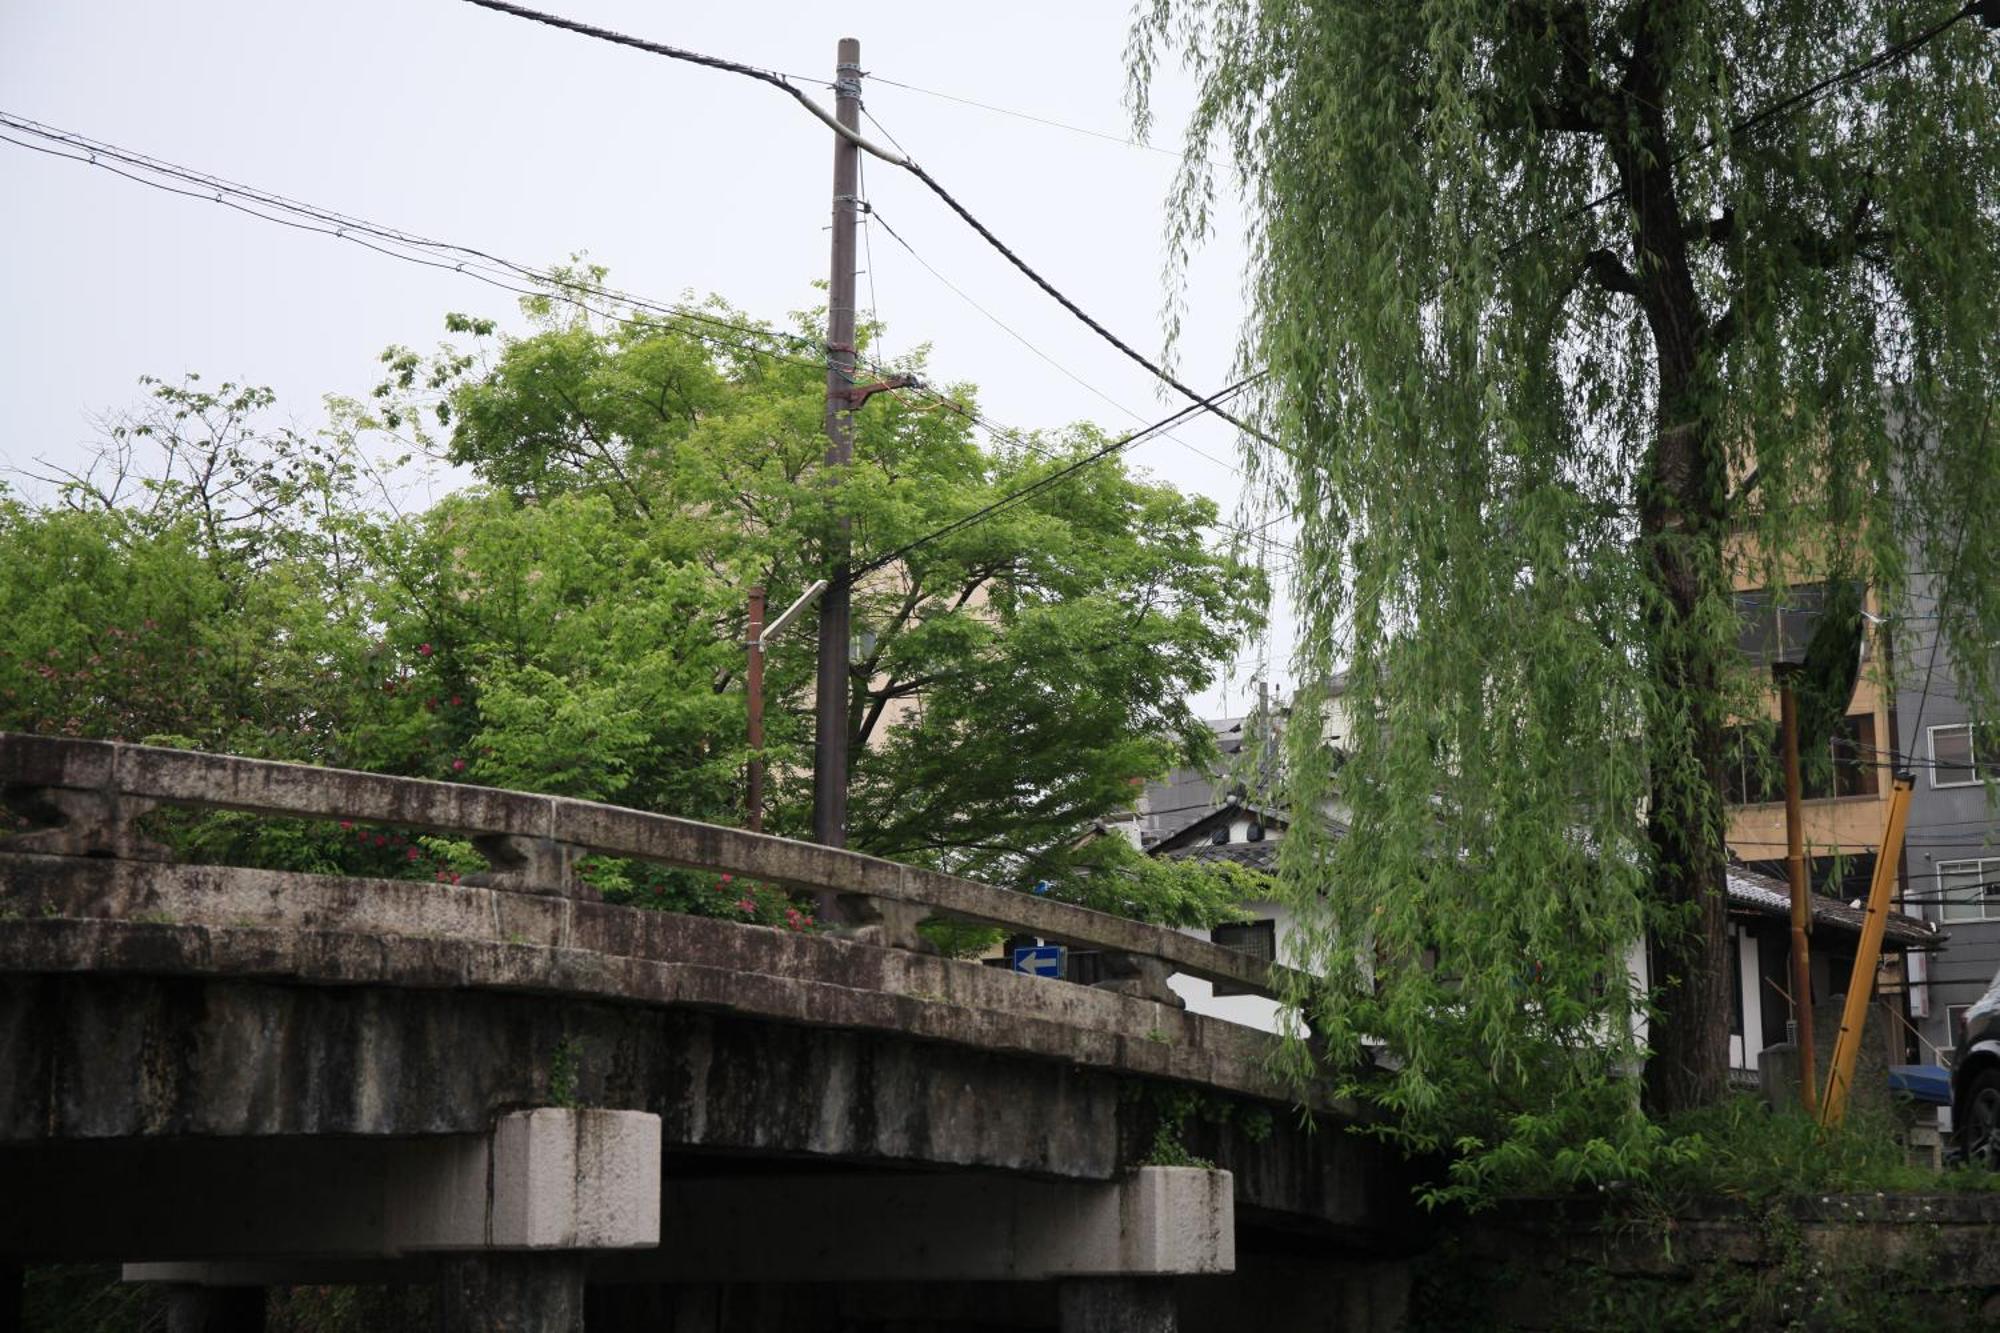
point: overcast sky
(530, 143)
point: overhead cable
(893, 158)
(1120, 140)
(1041, 484)
(394, 242)
(1009, 330)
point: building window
(1954, 1022)
(1736, 982)
(1753, 764)
(1259, 939)
(1855, 758)
(1969, 890)
(1768, 632)
(1957, 753)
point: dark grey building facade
(1951, 856)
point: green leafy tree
(574, 621)
(1013, 679)
(1572, 313)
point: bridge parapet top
(87, 793)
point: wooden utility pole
(1795, 865)
(753, 685)
(831, 702)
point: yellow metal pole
(1861, 986)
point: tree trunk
(1690, 1029)
(1682, 514)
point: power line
(393, 242)
(477, 264)
(1034, 488)
(1020, 439)
(1053, 124)
(898, 159)
(1010, 331)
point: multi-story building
(1951, 857)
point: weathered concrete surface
(79, 915)
(867, 1227)
(539, 832)
(194, 1309)
(1932, 1256)
(543, 1179)
(1117, 1305)
(105, 1065)
(1159, 1221)
(511, 1293)
(558, 1179)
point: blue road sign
(1040, 960)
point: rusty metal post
(831, 704)
(753, 687)
(1795, 866)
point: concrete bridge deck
(228, 1077)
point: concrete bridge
(566, 1113)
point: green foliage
(565, 1067)
(573, 622)
(89, 1298)
(1109, 874)
(1736, 1149)
(1855, 1286)
(1520, 430)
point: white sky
(529, 143)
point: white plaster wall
(1250, 1010)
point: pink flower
(362, 837)
(415, 854)
(726, 878)
(458, 765)
(454, 877)
(423, 650)
(455, 701)
(745, 905)
(347, 823)
(381, 840)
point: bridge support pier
(511, 1293)
(1117, 1305)
(12, 1276)
(198, 1309)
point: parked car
(1975, 1082)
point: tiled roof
(1251, 855)
(1752, 892)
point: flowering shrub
(696, 893)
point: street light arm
(790, 613)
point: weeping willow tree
(1572, 317)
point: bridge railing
(84, 798)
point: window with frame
(1259, 939)
(1770, 631)
(1736, 981)
(1753, 770)
(1969, 890)
(1959, 751)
